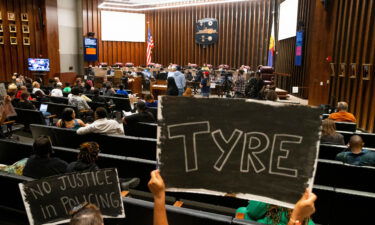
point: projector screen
(288, 19)
(120, 26)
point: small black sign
(49, 200)
(206, 31)
(254, 150)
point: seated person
(329, 134)
(40, 97)
(99, 99)
(150, 102)
(57, 92)
(108, 90)
(142, 116)
(86, 214)
(36, 87)
(68, 120)
(20, 91)
(102, 125)
(24, 102)
(87, 89)
(357, 155)
(67, 88)
(77, 101)
(87, 157)
(342, 115)
(121, 91)
(41, 164)
(303, 209)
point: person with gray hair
(342, 115)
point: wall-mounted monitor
(38, 65)
(288, 19)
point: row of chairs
(368, 138)
(332, 204)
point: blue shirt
(152, 104)
(205, 88)
(122, 92)
(179, 78)
(364, 158)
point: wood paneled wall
(110, 51)
(354, 42)
(244, 30)
(13, 58)
(286, 55)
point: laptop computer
(43, 107)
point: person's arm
(303, 209)
(81, 123)
(86, 130)
(157, 187)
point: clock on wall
(206, 31)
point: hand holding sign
(156, 184)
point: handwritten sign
(49, 200)
(254, 150)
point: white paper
(213, 85)
(295, 90)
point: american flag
(150, 46)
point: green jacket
(256, 211)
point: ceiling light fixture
(126, 8)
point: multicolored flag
(271, 49)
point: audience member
(271, 95)
(68, 120)
(357, 155)
(12, 88)
(150, 102)
(77, 101)
(87, 89)
(57, 92)
(40, 97)
(205, 85)
(36, 87)
(87, 157)
(67, 88)
(41, 164)
(256, 86)
(142, 116)
(20, 91)
(239, 85)
(172, 89)
(86, 214)
(97, 98)
(329, 134)
(342, 115)
(162, 75)
(24, 102)
(157, 187)
(3, 114)
(180, 80)
(121, 91)
(102, 125)
(109, 91)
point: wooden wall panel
(244, 30)
(354, 42)
(13, 58)
(286, 55)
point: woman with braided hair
(87, 157)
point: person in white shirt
(57, 92)
(102, 125)
(36, 87)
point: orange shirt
(342, 117)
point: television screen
(38, 64)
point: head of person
(100, 113)
(39, 94)
(178, 68)
(141, 106)
(87, 86)
(271, 95)
(86, 215)
(75, 91)
(356, 143)
(96, 92)
(36, 84)
(56, 79)
(241, 72)
(88, 152)
(12, 88)
(206, 74)
(68, 114)
(342, 106)
(171, 82)
(121, 87)
(42, 147)
(149, 98)
(258, 75)
(78, 81)
(67, 84)
(25, 96)
(108, 86)
(188, 93)
(328, 127)
(59, 85)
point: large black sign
(50, 200)
(254, 150)
(206, 31)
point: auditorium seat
(328, 151)
(346, 126)
(368, 138)
(154, 111)
(144, 148)
(147, 130)
(58, 108)
(222, 210)
(59, 100)
(27, 117)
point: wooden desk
(158, 88)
